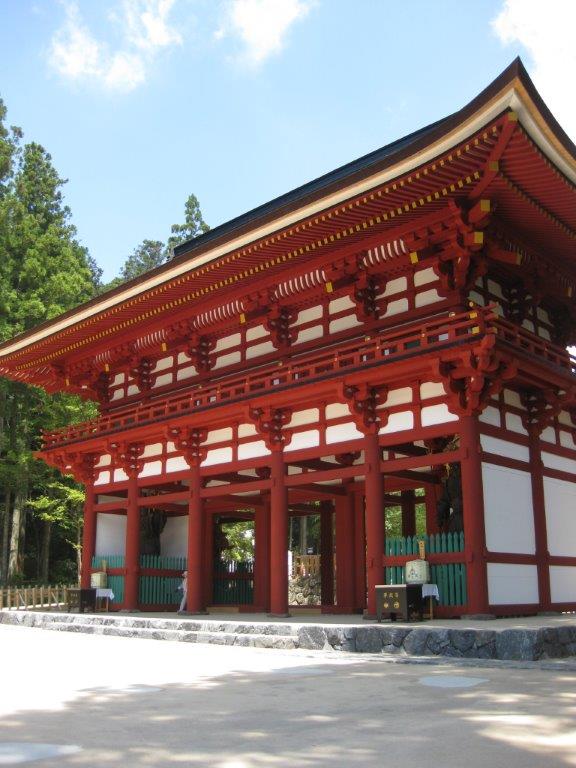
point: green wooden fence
(115, 583)
(450, 577)
(233, 583)
(153, 590)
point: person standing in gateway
(184, 588)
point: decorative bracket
(543, 406)
(127, 456)
(79, 465)
(363, 403)
(271, 425)
(471, 377)
(188, 442)
(278, 322)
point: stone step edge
(285, 642)
(37, 618)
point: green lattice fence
(450, 577)
(233, 583)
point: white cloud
(547, 31)
(77, 55)
(261, 25)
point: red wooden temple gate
(336, 347)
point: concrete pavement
(87, 700)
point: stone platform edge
(520, 644)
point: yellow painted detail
(476, 329)
(478, 238)
(414, 257)
(485, 206)
(242, 318)
(329, 287)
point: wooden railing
(28, 598)
(305, 565)
(408, 341)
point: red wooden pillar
(539, 509)
(345, 544)
(473, 514)
(326, 554)
(278, 535)
(132, 555)
(262, 554)
(195, 602)
(374, 519)
(88, 536)
(359, 552)
(408, 502)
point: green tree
(193, 226)
(44, 271)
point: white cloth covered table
(430, 590)
(104, 592)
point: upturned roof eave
(193, 253)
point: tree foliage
(44, 271)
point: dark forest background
(44, 271)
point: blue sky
(141, 102)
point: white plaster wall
(397, 397)
(312, 313)
(309, 416)
(110, 534)
(252, 450)
(395, 286)
(246, 430)
(395, 307)
(340, 305)
(560, 503)
(512, 398)
(431, 389)
(508, 510)
(425, 276)
(340, 432)
(504, 448)
(174, 537)
(176, 464)
(151, 468)
(217, 456)
(436, 414)
(514, 424)
(510, 584)
(343, 323)
(260, 349)
(309, 334)
(229, 359)
(301, 440)
(397, 422)
(218, 436)
(427, 297)
(227, 341)
(334, 410)
(558, 462)
(490, 415)
(256, 333)
(563, 583)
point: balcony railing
(375, 350)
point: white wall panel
(508, 511)
(395, 286)
(174, 537)
(436, 414)
(397, 397)
(510, 584)
(427, 297)
(307, 315)
(395, 307)
(343, 323)
(338, 433)
(560, 504)
(110, 534)
(563, 583)
(176, 464)
(309, 334)
(425, 276)
(562, 463)
(397, 422)
(252, 450)
(302, 440)
(217, 456)
(490, 415)
(260, 349)
(431, 389)
(504, 448)
(514, 424)
(309, 416)
(334, 410)
(151, 468)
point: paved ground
(86, 700)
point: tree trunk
(45, 551)
(5, 536)
(15, 559)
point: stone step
(252, 640)
(524, 644)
